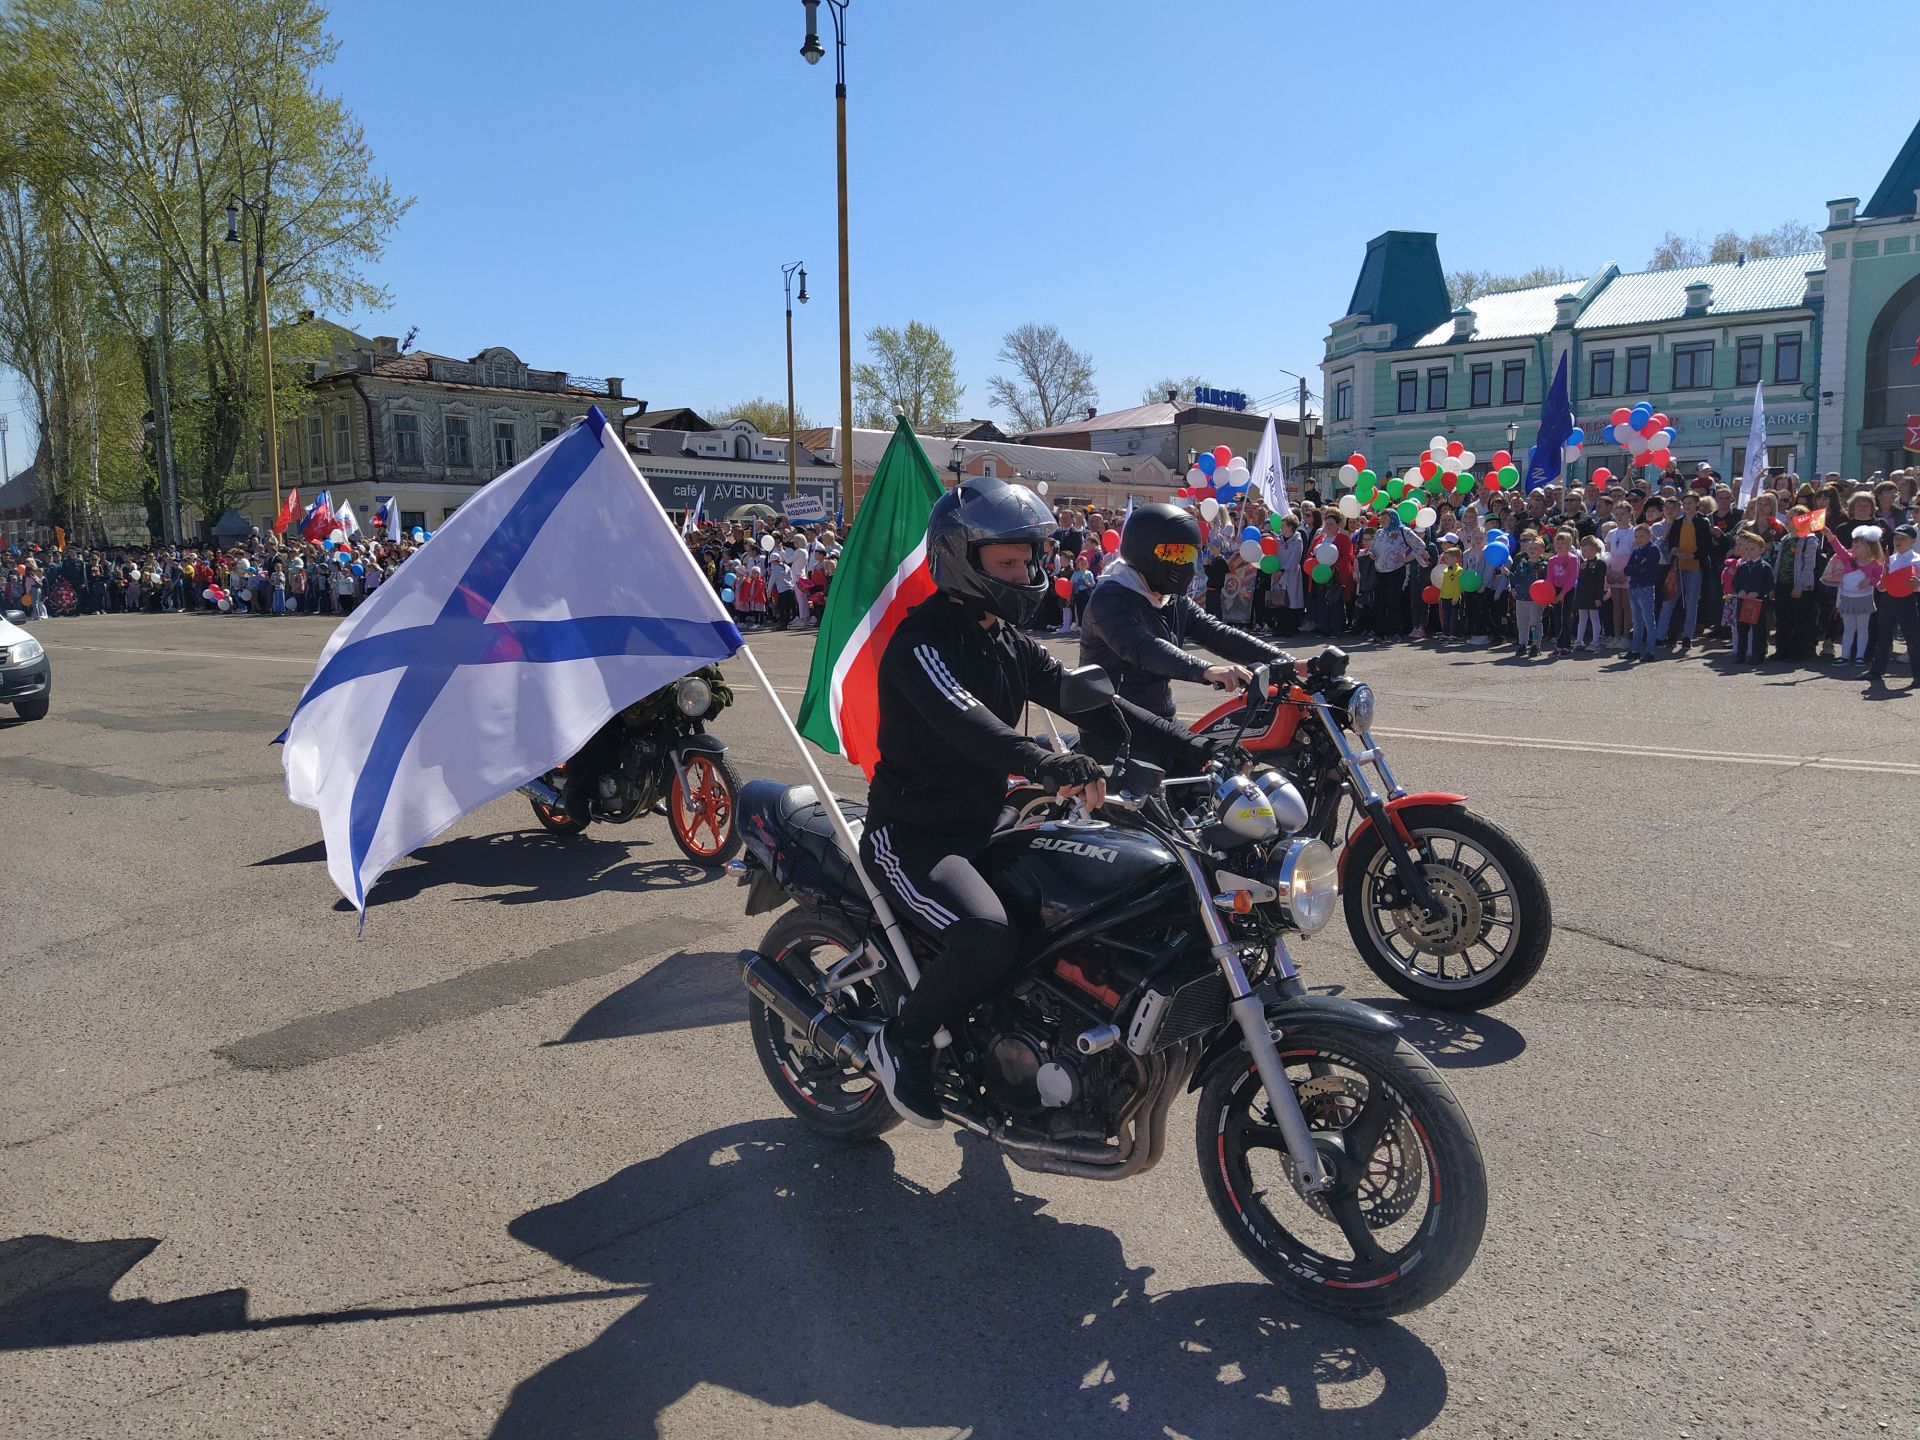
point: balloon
(1196, 477)
(1239, 474)
(1492, 480)
(1326, 552)
(1368, 478)
(1206, 464)
(1502, 457)
(766, 544)
(1041, 487)
(1407, 510)
(1659, 420)
(1110, 541)
(1423, 518)
(1209, 508)
(1541, 592)
(1396, 488)
(1454, 447)
(1576, 437)
(1509, 477)
(726, 597)
(1269, 545)
(1620, 416)
(1601, 475)
(1437, 445)
(1495, 533)
(428, 535)
(1251, 552)
(1252, 532)
(357, 568)
(1348, 476)
(1606, 434)
(1321, 573)
(1431, 594)
(1451, 465)
(1269, 563)
(1365, 490)
(1274, 522)
(1498, 555)
(1469, 581)
(1428, 469)
(1350, 506)
(206, 594)
(1063, 587)
(1357, 460)
(1223, 455)
(1467, 457)
(1381, 500)
(1438, 573)
(417, 534)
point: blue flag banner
(1556, 425)
(553, 599)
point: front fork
(1368, 797)
(1251, 1013)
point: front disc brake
(1392, 1176)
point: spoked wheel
(1496, 920)
(557, 821)
(701, 813)
(816, 950)
(1403, 1216)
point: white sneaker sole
(883, 1072)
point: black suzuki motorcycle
(1336, 1157)
(654, 757)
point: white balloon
(1450, 464)
(1209, 508)
(1437, 574)
(1041, 487)
(1437, 446)
(1413, 477)
(1238, 473)
(1196, 478)
(1251, 552)
(1349, 476)
(1237, 462)
(1467, 457)
(1424, 519)
(1350, 506)
(766, 543)
(1326, 552)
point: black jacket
(1131, 638)
(951, 693)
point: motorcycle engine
(625, 787)
(1023, 1073)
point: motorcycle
(654, 757)
(1327, 1144)
(1443, 905)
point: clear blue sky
(611, 189)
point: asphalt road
(503, 1165)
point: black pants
(1895, 612)
(973, 902)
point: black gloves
(1070, 769)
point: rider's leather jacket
(1131, 638)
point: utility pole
(793, 425)
(170, 526)
(1306, 449)
(6, 467)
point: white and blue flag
(555, 597)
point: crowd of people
(774, 578)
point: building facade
(1172, 431)
(732, 464)
(1083, 478)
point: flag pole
(842, 830)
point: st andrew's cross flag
(882, 574)
(555, 597)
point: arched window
(1893, 380)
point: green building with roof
(1827, 335)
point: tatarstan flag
(882, 574)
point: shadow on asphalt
(688, 990)
(796, 1271)
(1455, 1040)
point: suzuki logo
(1102, 853)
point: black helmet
(984, 511)
(1162, 544)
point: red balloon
(1431, 594)
(1063, 587)
(1357, 460)
(1181, 493)
(1269, 545)
(1110, 541)
(1428, 469)
(1541, 592)
(1621, 416)
(1502, 457)
(1659, 422)
(1454, 449)
(1652, 428)
(1601, 475)
(1205, 492)
(1492, 480)
(1222, 455)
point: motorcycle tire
(557, 822)
(1508, 927)
(710, 835)
(1420, 1151)
(838, 1103)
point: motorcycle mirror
(1085, 688)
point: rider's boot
(905, 1072)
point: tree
(140, 121)
(1466, 286)
(1051, 382)
(1182, 388)
(910, 373)
(1789, 237)
(769, 417)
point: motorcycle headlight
(1306, 876)
(692, 697)
(27, 649)
(1360, 707)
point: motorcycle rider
(952, 684)
(1141, 603)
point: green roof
(1401, 282)
(1895, 195)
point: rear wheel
(701, 813)
(558, 820)
(1496, 919)
(1401, 1221)
(844, 1104)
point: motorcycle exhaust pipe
(538, 789)
(825, 1031)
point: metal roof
(1078, 468)
(1895, 197)
(1160, 412)
(1655, 296)
(1508, 315)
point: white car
(26, 675)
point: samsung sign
(1232, 399)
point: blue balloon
(1495, 534)
(1498, 555)
(1252, 532)
(427, 536)
(1606, 434)
(726, 597)
(1641, 413)
(357, 568)
(1207, 463)
(1577, 436)
(418, 534)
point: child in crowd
(1752, 584)
(1899, 606)
(1474, 601)
(1083, 582)
(1563, 573)
(1528, 612)
(1644, 564)
(1587, 591)
(1857, 585)
(1451, 569)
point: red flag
(319, 524)
(287, 509)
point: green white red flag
(882, 573)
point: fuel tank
(1082, 870)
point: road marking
(1654, 752)
(308, 661)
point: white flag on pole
(691, 523)
(344, 518)
(496, 652)
(1756, 466)
(1269, 473)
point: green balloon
(1367, 477)
(1274, 522)
(1269, 563)
(1396, 488)
(1321, 573)
(1408, 509)
(1509, 477)
(1381, 500)
(1469, 581)
(1363, 492)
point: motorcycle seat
(789, 830)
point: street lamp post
(812, 51)
(1305, 450)
(793, 425)
(6, 466)
(266, 342)
(1513, 436)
